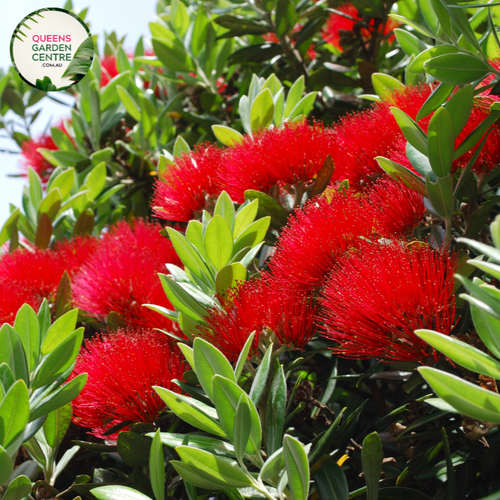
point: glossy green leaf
(14, 413)
(297, 467)
(413, 133)
(6, 378)
(182, 300)
(242, 427)
(460, 107)
(402, 174)
(56, 425)
(384, 84)
(214, 468)
(331, 482)
(467, 398)
(216, 446)
(12, 352)
(129, 102)
(475, 136)
(487, 328)
(417, 66)
(243, 357)
(19, 488)
(441, 195)
(260, 379)
(438, 97)
(9, 225)
(218, 241)
(51, 204)
(276, 410)
(6, 466)
(209, 361)
(285, 17)
(117, 492)
(230, 276)
(194, 233)
(252, 235)
(189, 410)
(273, 467)
(418, 27)
(441, 142)
(59, 360)
(172, 55)
(227, 135)
(227, 395)
(457, 69)
(60, 330)
(461, 353)
(372, 456)
(181, 146)
(409, 42)
(60, 397)
(35, 187)
(262, 111)
(304, 106)
(28, 329)
(96, 180)
(109, 94)
(245, 217)
(195, 476)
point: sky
(126, 17)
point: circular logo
(51, 49)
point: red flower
(122, 367)
(397, 209)
(315, 236)
(278, 156)
(184, 188)
(32, 158)
(109, 69)
(337, 26)
(263, 306)
(121, 276)
(33, 275)
(379, 294)
(271, 37)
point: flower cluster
(122, 368)
(121, 276)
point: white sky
(126, 17)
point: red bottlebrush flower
(379, 294)
(397, 208)
(183, 188)
(337, 26)
(121, 276)
(315, 236)
(278, 156)
(32, 158)
(264, 306)
(109, 69)
(122, 367)
(271, 37)
(31, 276)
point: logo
(52, 49)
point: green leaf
(14, 413)
(209, 361)
(227, 135)
(218, 242)
(331, 482)
(115, 492)
(35, 187)
(216, 446)
(243, 357)
(409, 43)
(285, 17)
(12, 352)
(9, 226)
(467, 398)
(402, 174)
(96, 180)
(181, 146)
(82, 59)
(262, 111)
(189, 410)
(260, 380)
(398, 492)
(51, 204)
(304, 106)
(294, 95)
(173, 56)
(63, 181)
(227, 395)
(6, 466)
(59, 360)
(183, 301)
(245, 217)
(252, 235)
(109, 95)
(438, 97)
(20, 487)
(134, 448)
(441, 142)
(157, 467)
(225, 208)
(276, 409)
(6, 378)
(384, 84)
(194, 475)
(457, 69)
(28, 329)
(273, 467)
(62, 396)
(56, 425)
(372, 456)
(461, 353)
(460, 107)
(487, 328)
(441, 195)
(242, 427)
(297, 467)
(43, 231)
(130, 105)
(325, 440)
(415, 25)
(189, 254)
(413, 133)
(214, 468)
(418, 64)
(60, 330)
(419, 162)
(230, 276)
(475, 136)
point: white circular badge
(52, 49)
